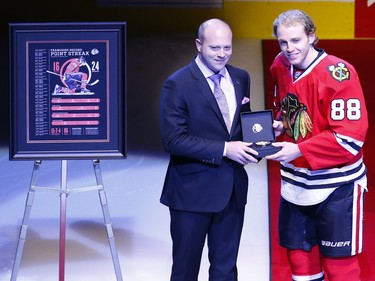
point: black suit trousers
(189, 231)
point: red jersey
(73, 67)
(323, 110)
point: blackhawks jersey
(323, 110)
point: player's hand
(278, 127)
(289, 151)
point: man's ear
(198, 44)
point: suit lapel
(239, 95)
(205, 90)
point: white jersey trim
(305, 187)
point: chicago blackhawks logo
(296, 120)
(339, 72)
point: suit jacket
(198, 177)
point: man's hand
(241, 152)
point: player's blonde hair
(293, 17)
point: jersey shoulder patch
(339, 71)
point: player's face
(216, 49)
(296, 45)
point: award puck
(262, 143)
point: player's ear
(311, 37)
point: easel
(64, 192)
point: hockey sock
(305, 265)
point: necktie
(221, 100)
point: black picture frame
(67, 90)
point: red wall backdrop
(361, 54)
(364, 19)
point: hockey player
(321, 112)
(74, 78)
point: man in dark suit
(206, 184)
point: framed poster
(68, 90)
